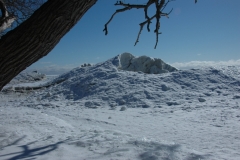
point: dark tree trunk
(38, 35)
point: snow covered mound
(102, 112)
(144, 64)
(104, 85)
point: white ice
(103, 112)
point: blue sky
(206, 31)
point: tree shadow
(32, 153)
(159, 151)
(193, 156)
(12, 143)
(155, 151)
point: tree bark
(38, 35)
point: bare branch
(117, 11)
(160, 6)
(158, 16)
(141, 28)
(165, 5)
(120, 3)
(6, 20)
(21, 10)
(127, 7)
(150, 2)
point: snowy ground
(101, 112)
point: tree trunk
(38, 35)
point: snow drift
(144, 64)
(107, 111)
(104, 84)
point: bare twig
(117, 11)
(157, 23)
(146, 14)
(127, 7)
(141, 28)
(158, 16)
(160, 6)
(6, 20)
(21, 10)
(165, 5)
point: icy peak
(144, 64)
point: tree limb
(127, 7)
(141, 28)
(159, 8)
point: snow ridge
(105, 85)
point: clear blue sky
(206, 31)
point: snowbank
(105, 112)
(105, 85)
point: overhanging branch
(127, 7)
(160, 6)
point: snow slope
(27, 77)
(104, 112)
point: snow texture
(144, 64)
(108, 112)
(26, 77)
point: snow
(107, 112)
(144, 64)
(26, 77)
(29, 81)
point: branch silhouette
(159, 5)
